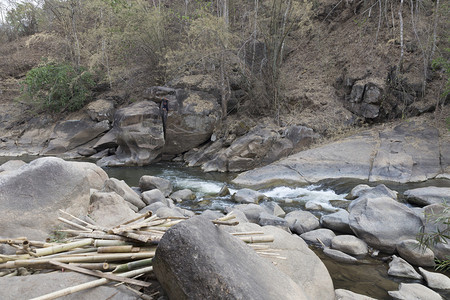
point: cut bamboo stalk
(68, 253)
(86, 224)
(107, 243)
(248, 233)
(73, 224)
(100, 274)
(64, 247)
(257, 239)
(225, 223)
(14, 273)
(228, 217)
(171, 223)
(95, 266)
(104, 236)
(78, 259)
(140, 294)
(145, 216)
(118, 249)
(133, 265)
(88, 285)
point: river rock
(212, 214)
(239, 215)
(339, 256)
(408, 291)
(152, 207)
(266, 219)
(375, 192)
(247, 196)
(342, 294)
(147, 182)
(31, 196)
(183, 195)
(412, 252)
(436, 281)
(302, 221)
(337, 221)
(428, 195)
(108, 209)
(251, 211)
(100, 110)
(239, 273)
(408, 152)
(121, 188)
(357, 191)
(399, 267)
(382, 222)
(322, 234)
(68, 135)
(153, 196)
(42, 284)
(273, 208)
(349, 244)
(191, 121)
(165, 212)
(139, 133)
(11, 165)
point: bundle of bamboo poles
(113, 254)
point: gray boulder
(153, 196)
(408, 291)
(342, 294)
(42, 284)
(165, 212)
(238, 272)
(349, 244)
(12, 165)
(247, 196)
(376, 192)
(147, 182)
(436, 281)
(324, 235)
(428, 195)
(415, 254)
(337, 221)
(212, 214)
(152, 207)
(183, 195)
(109, 209)
(68, 135)
(138, 131)
(123, 190)
(302, 221)
(358, 191)
(273, 208)
(339, 256)
(266, 219)
(382, 222)
(31, 196)
(251, 211)
(399, 267)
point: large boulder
(70, 134)
(109, 209)
(399, 267)
(148, 182)
(337, 221)
(302, 221)
(319, 237)
(365, 99)
(138, 131)
(382, 222)
(100, 110)
(428, 195)
(216, 265)
(31, 196)
(349, 244)
(435, 280)
(415, 254)
(191, 121)
(41, 284)
(123, 190)
(407, 291)
(409, 152)
(247, 196)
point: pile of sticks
(112, 254)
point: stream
(368, 278)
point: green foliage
(23, 19)
(57, 86)
(441, 235)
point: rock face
(428, 195)
(31, 196)
(408, 152)
(382, 222)
(366, 98)
(70, 134)
(216, 265)
(139, 133)
(191, 120)
(42, 284)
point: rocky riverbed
(376, 224)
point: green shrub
(57, 87)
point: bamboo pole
(107, 243)
(145, 216)
(96, 266)
(73, 224)
(225, 223)
(257, 239)
(100, 274)
(248, 233)
(118, 249)
(140, 294)
(64, 247)
(88, 285)
(133, 265)
(96, 235)
(78, 259)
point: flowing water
(369, 278)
